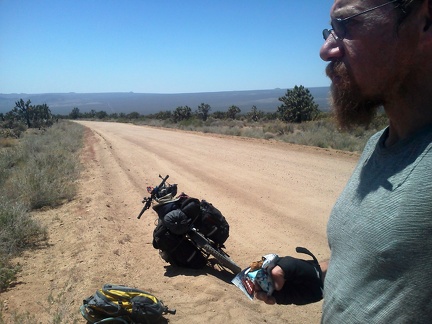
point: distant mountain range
(149, 103)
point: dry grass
(38, 171)
(321, 133)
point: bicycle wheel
(222, 259)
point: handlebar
(146, 206)
(148, 200)
(156, 189)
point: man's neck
(406, 122)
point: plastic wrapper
(257, 276)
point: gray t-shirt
(380, 236)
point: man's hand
(278, 280)
(296, 281)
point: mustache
(336, 69)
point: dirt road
(275, 197)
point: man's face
(363, 64)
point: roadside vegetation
(321, 132)
(38, 167)
(297, 120)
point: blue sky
(160, 46)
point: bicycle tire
(222, 259)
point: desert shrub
(19, 229)
(39, 171)
(268, 135)
(46, 165)
(152, 122)
(211, 129)
(235, 123)
(12, 128)
(233, 131)
(190, 124)
(10, 159)
(211, 121)
(18, 232)
(279, 127)
(7, 142)
(254, 132)
(8, 273)
(324, 135)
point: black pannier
(207, 219)
(175, 218)
(176, 249)
(212, 223)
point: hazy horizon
(147, 103)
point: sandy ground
(275, 197)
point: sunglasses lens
(326, 33)
(338, 28)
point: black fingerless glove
(303, 280)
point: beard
(350, 107)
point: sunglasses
(338, 25)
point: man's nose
(331, 49)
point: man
(380, 229)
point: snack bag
(259, 273)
